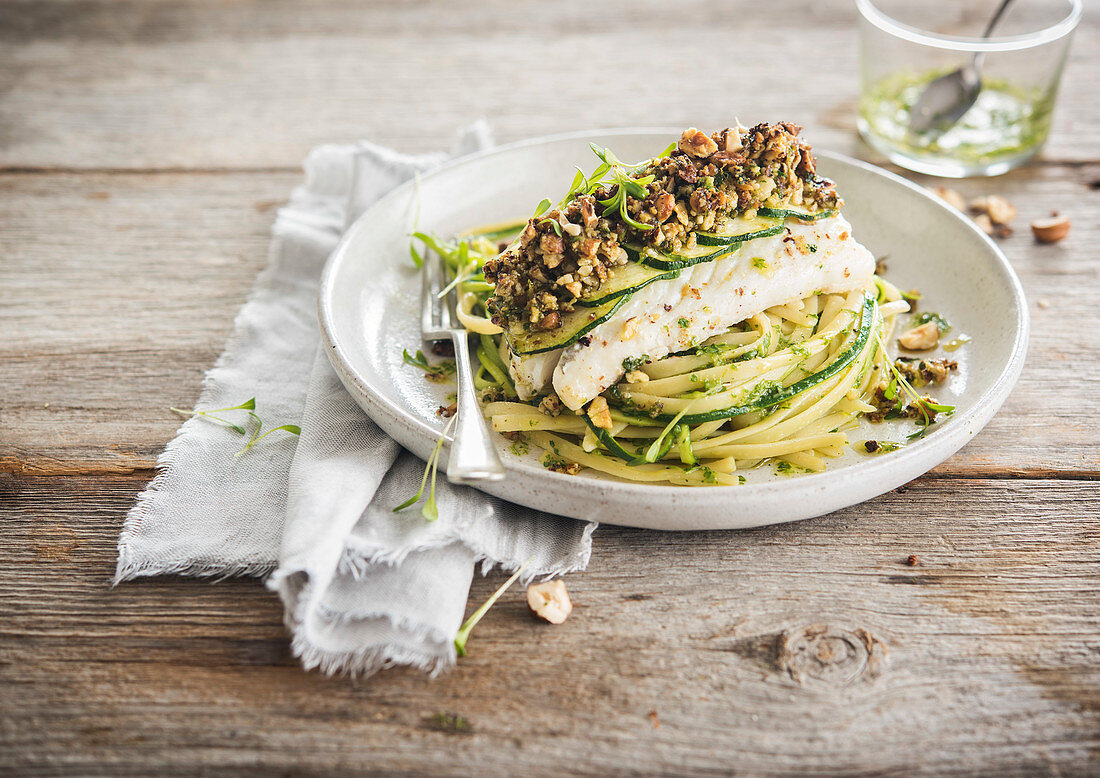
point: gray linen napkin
(363, 587)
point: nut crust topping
(568, 253)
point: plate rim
(950, 438)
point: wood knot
(825, 655)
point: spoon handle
(980, 56)
(996, 18)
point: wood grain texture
(786, 650)
(144, 146)
(200, 83)
(117, 290)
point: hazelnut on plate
(550, 601)
(922, 338)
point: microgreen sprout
(250, 406)
(465, 269)
(437, 373)
(468, 625)
(623, 179)
(293, 429)
(899, 388)
(941, 323)
(429, 510)
(247, 405)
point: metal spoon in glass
(946, 99)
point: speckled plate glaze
(368, 310)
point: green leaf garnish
(437, 373)
(897, 390)
(247, 405)
(928, 316)
(625, 183)
(468, 625)
(293, 429)
(430, 510)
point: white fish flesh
(705, 300)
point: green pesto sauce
(1005, 121)
(957, 343)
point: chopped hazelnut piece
(630, 328)
(637, 377)
(985, 224)
(696, 143)
(922, 338)
(999, 210)
(731, 140)
(551, 405)
(951, 197)
(1050, 230)
(550, 601)
(600, 413)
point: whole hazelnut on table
(1050, 230)
(550, 601)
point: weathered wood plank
(113, 287)
(197, 83)
(983, 658)
(117, 291)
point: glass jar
(906, 44)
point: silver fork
(473, 457)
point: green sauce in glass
(1006, 121)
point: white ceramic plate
(369, 312)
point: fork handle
(473, 457)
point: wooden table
(144, 147)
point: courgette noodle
(784, 386)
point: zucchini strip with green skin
(607, 440)
(777, 395)
(786, 213)
(626, 280)
(679, 261)
(577, 324)
(750, 229)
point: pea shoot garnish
(250, 406)
(928, 316)
(922, 409)
(437, 373)
(612, 172)
(468, 625)
(429, 510)
(247, 405)
(293, 429)
(622, 178)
